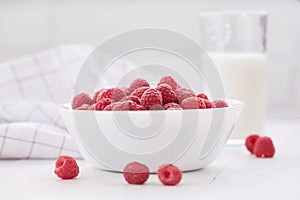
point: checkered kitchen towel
(31, 88)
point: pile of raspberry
(167, 95)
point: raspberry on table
(190, 103)
(220, 104)
(172, 105)
(66, 167)
(264, 148)
(250, 142)
(183, 93)
(136, 173)
(137, 83)
(202, 96)
(115, 94)
(168, 80)
(139, 91)
(151, 99)
(169, 174)
(136, 99)
(102, 103)
(168, 95)
(81, 99)
(95, 97)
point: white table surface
(235, 174)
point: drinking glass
(236, 43)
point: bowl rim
(233, 103)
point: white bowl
(190, 139)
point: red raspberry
(201, 103)
(136, 173)
(169, 174)
(137, 83)
(137, 100)
(115, 94)
(92, 107)
(66, 167)
(140, 107)
(97, 94)
(126, 90)
(168, 95)
(168, 80)
(190, 103)
(250, 142)
(183, 93)
(264, 148)
(172, 105)
(220, 103)
(125, 105)
(139, 91)
(202, 96)
(209, 104)
(151, 99)
(102, 103)
(83, 107)
(81, 99)
(109, 107)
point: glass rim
(233, 12)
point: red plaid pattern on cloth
(31, 88)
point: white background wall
(30, 26)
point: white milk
(244, 78)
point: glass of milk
(236, 43)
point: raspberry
(168, 95)
(183, 93)
(190, 103)
(139, 91)
(151, 99)
(127, 91)
(172, 105)
(97, 94)
(108, 108)
(102, 103)
(220, 104)
(66, 167)
(250, 142)
(83, 107)
(202, 96)
(115, 94)
(81, 99)
(92, 107)
(168, 80)
(125, 105)
(136, 173)
(169, 174)
(140, 107)
(156, 107)
(264, 148)
(132, 98)
(209, 104)
(201, 103)
(137, 83)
